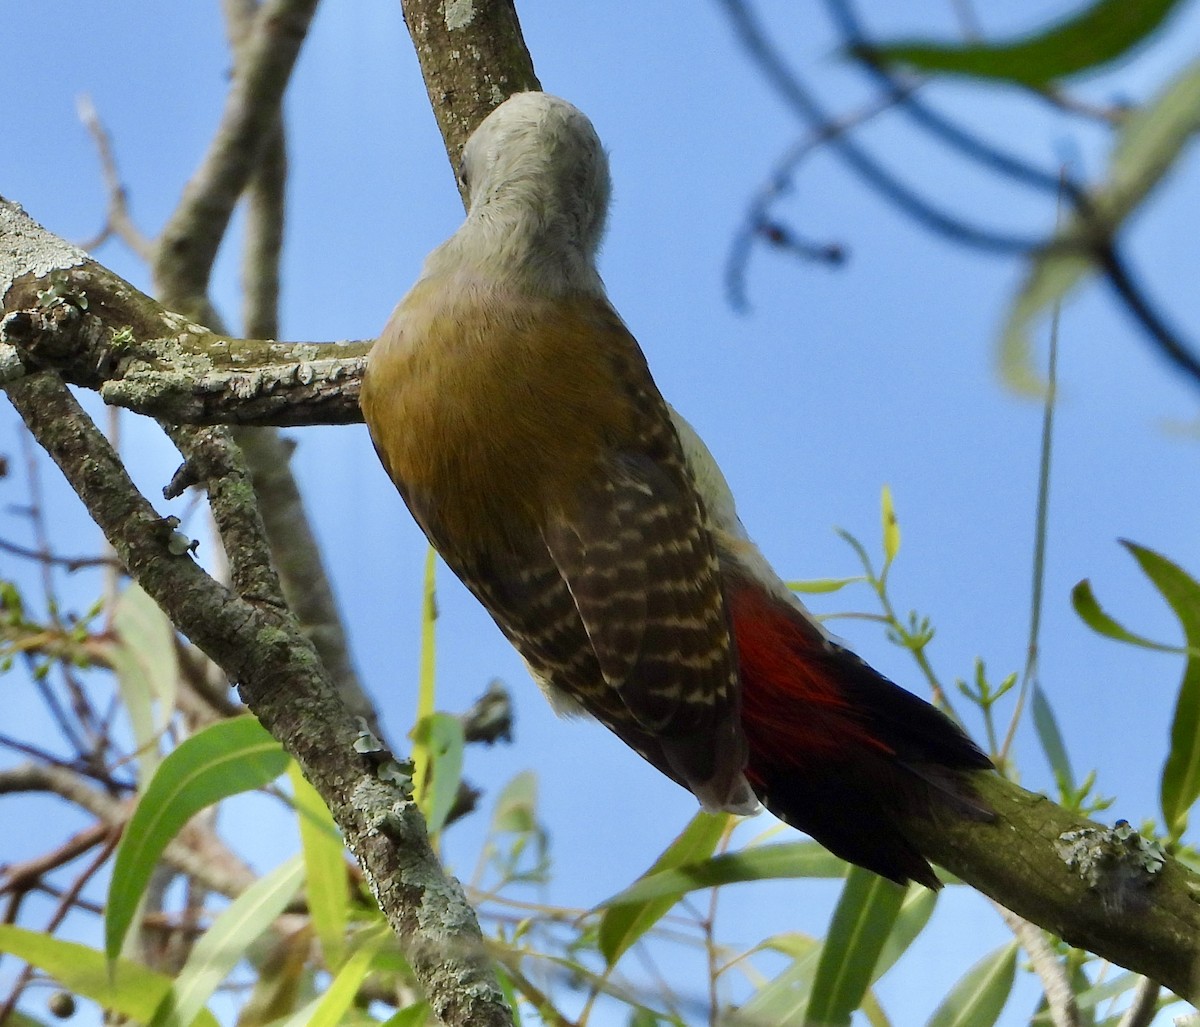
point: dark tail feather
(845, 755)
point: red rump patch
(793, 708)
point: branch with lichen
(281, 678)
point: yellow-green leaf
(862, 921)
(325, 871)
(978, 999)
(623, 924)
(122, 985)
(223, 945)
(1147, 147)
(1086, 41)
(224, 759)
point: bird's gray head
(536, 166)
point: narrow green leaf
(516, 806)
(1046, 725)
(325, 873)
(770, 862)
(622, 925)
(224, 759)
(224, 944)
(1088, 607)
(427, 676)
(147, 672)
(979, 997)
(124, 986)
(416, 1015)
(441, 737)
(1096, 36)
(1180, 785)
(1148, 145)
(865, 915)
(330, 1008)
(783, 1000)
(891, 527)
(915, 911)
(815, 586)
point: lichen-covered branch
(63, 311)
(282, 680)
(1105, 890)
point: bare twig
(119, 222)
(1056, 983)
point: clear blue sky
(836, 382)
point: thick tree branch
(282, 680)
(1142, 913)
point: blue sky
(833, 384)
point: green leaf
(891, 527)
(147, 672)
(516, 806)
(1181, 775)
(224, 759)
(814, 586)
(770, 862)
(427, 675)
(224, 944)
(441, 737)
(1093, 615)
(325, 873)
(979, 997)
(1147, 146)
(416, 1015)
(329, 1009)
(783, 1000)
(622, 925)
(1096, 36)
(122, 985)
(1046, 725)
(865, 915)
(914, 914)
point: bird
(518, 418)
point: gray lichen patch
(1117, 862)
(26, 248)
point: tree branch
(283, 682)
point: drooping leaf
(1096, 36)
(978, 999)
(144, 659)
(224, 759)
(622, 925)
(325, 875)
(1147, 146)
(224, 944)
(1180, 785)
(1087, 606)
(1046, 725)
(770, 862)
(865, 915)
(123, 985)
(441, 737)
